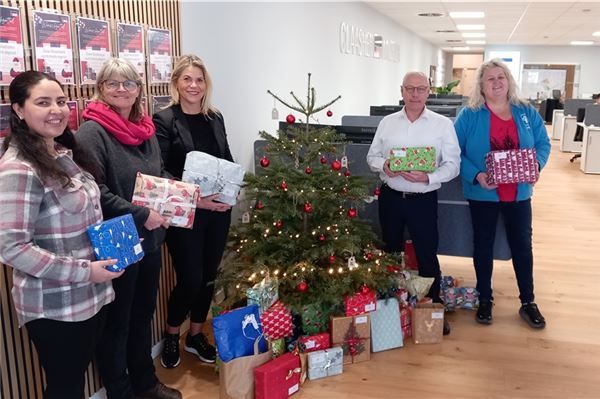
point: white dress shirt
(430, 129)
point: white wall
(252, 47)
(588, 57)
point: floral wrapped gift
(264, 293)
(353, 335)
(116, 238)
(279, 378)
(214, 176)
(172, 199)
(325, 363)
(512, 166)
(413, 158)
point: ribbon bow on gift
(353, 343)
(291, 372)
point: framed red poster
(93, 40)
(159, 52)
(53, 46)
(73, 116)
(130, 46)
(12, 60)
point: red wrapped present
(406, 331)
(512, 166)
(405, 316)
(279, 378)
(361, 302)
(312, 343)
(277, 321)
(410, 256)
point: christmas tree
(303, 226)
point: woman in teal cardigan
(496, 119)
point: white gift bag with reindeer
(236, 331)
(428, 323)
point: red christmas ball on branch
(308, 208)
(322, 237)
(352, 213)
(347, 173)
(336, 165)
(369, 255)
(283, 186)
(329, 113)
(365, 289)
(323, 160)
(332, 259)
(279, 223)
(259, 205)
(377, 191)
(264, 162)
(290, 119)
(302, 286)
(308, 170)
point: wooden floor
(506, 359)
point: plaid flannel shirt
(43, 237)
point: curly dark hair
(31, 145)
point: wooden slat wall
(21, 375)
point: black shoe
(484, 312)
(169, 357)
(531, 314)
(198, 345)
(446, 327)
(160, 391)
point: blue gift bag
(236, 331)
(116, 238)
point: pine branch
(286, 104)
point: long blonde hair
(477, 98)
(121, 67)
(182, 63)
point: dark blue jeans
(125, 351)
(419, 214)
(517, 221)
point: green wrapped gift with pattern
(413, 158)
(315, 318)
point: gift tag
(398, 153)
(309, 344)
(293, 389)
(370, 307)
(437, 315)
(274, 114)
(137, 249)
(361, 320)
(246, 217)
(344, 161)
(351, 262)
(500, 155)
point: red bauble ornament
(369, 255)
(323, 160)
(336, 165)
(264, 162)
(308, 170)
(365, 289)
(290, 119)
(302, 286)
(279, 223)
(308, 208)
(377, 191)
(259, 205)
(329, 113)
(352, 213)
(283, 186)
(331, 258)
(347, 173)
(322, 237)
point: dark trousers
(419, 214)
(196, 256)
(517, 221)
(65, 350)
(125, 350)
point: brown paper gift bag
(236, 377)
(428, 323)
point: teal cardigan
(473, 131)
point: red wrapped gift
(410, 256)
(405, 316)
(277, 321)
(312, 343)
(512, 166)
(361, 302)
(279, 378)
(406, 331)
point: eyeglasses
(419, 89)
(129, 85)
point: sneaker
(531, 314)
(484, 312)
(169, 357)
(159, 391)
(198, 345)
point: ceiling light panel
(470, 27)
(475, 41)
(582, 43)
(473, 34)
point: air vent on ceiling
(454, 41)
(430, 14)
(446, 31)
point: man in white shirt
(409, 198)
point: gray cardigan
(118, 164)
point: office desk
(567, 142)
(590, 151)
(557, 123)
